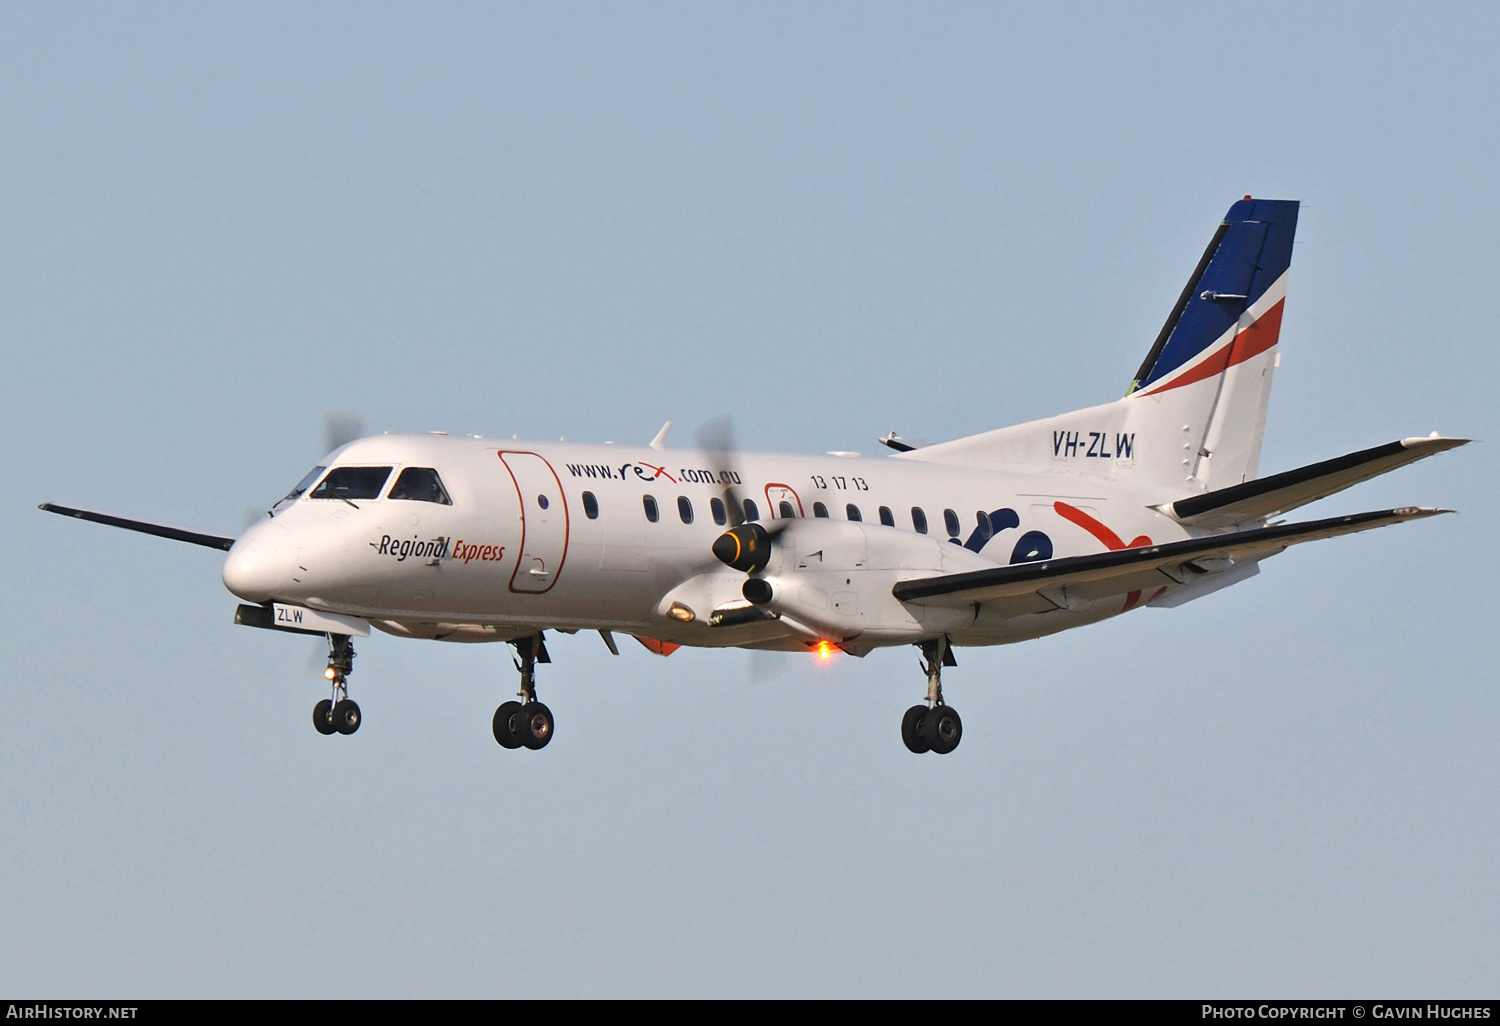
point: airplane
(1152, 500)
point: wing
(1069, 582)
(1279, 493)
(185, 534)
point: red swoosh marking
(1106, 537)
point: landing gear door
(544, 522)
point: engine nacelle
(832, 580)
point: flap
(1074, 580)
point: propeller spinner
(746, 548)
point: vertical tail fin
(1196, 411)
(1210, 368)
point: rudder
(1209, 370)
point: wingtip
(1434, 441)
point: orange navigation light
(825, 650)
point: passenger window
(986, 529)
(853, 512)
(820, 510)
(887, 517)
(752, 511)
(685, 509)
(787, 513)
(721, 515)
(352, 483)
(918, 520)
(950, 521)
(652, 513)
(420, 484)
(590, 506)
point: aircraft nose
(261, 562)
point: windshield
(302, 486)
(352, 483)
(420, 484)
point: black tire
(507, 720)
(942, 729)
(323, 717)
(346, 718)
(535, 723)
(911, 729)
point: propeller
(716, 439)
(746, 546)
(339, 429)
(765, 664)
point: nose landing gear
(338, 714)
(936, 726)
(527, 723)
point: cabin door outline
(544, 528)
(777, 493)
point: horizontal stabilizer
(1081, 579)
(1279, 493)
(184, 534)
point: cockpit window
(352, 483)
(420, 484)
(303, 485)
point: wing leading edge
(1076, 579)
(183, 534)
(1281, 493)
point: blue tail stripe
(1254, 252)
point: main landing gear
(527, 723)
(934, 727)
(338, 714)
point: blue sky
(827, 221)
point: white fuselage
(516, 551)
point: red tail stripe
(1253, 341)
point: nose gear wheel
(338, 714)
(323, 717)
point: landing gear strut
(527, 723)
(936, 726)
(338, 714)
